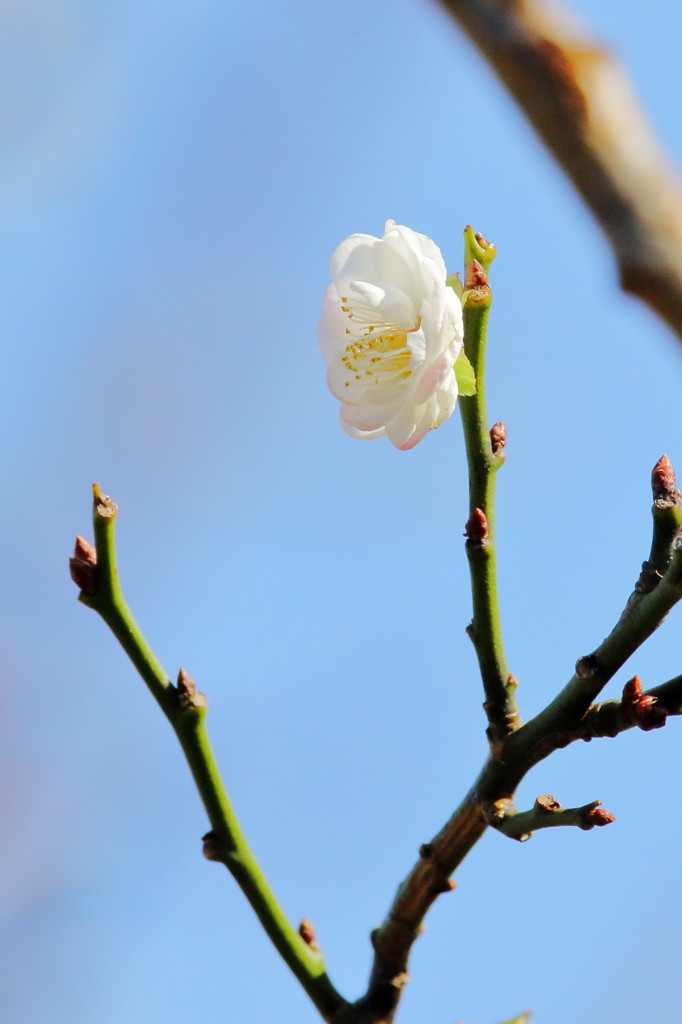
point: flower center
(380, 355)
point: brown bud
(663, 483)
(212, 846)
(643, 710)
(188, 695)
(498, 437)
(632, 691)
(476, 528)
(475, 276)
(84, 551)
(648, 713)
(85, 575)
(599, 816)
(426, 851)
(307, 932)
(546, 802)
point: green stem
(666, 513)
(544, 733)
(483, 463)
(547, 813)
(226, 843)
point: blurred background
(173, 180)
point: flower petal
(353, 431)
(390, 333)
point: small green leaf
(466, 378)
(454, 282)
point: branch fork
(514, 747)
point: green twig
(644, 709)
(559, 724)
(484, 459)
(95, 572)
(666, 513)
(544, 733)
(546, 813)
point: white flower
(390, 333)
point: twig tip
(663, 482)
(105, 507)
(598, 816)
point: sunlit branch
(582, 106)
(94, 571)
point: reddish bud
(649, 713)
(643, 710)
(307, 932)
(632, 691)
(498, 437)
(663, 483)
(476, 528)
(475, 276)
(599, 816)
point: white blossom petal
(390, 333)
(353, 431)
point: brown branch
(581, 104)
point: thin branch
(543, 734)
(666, 513)
(545, 813)
(95, 572)
(556, 726)
(643, 709)
(484, 457)
(581, 104)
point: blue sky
(173, 180)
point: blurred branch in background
(581, 104)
